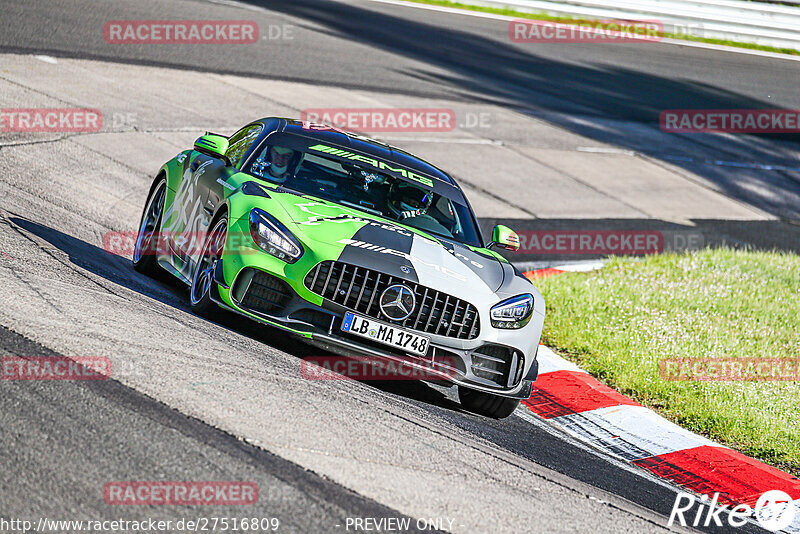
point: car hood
(397, 250)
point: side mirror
(213, 145)
(504, 237)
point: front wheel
(486, 404)
(147, 240)
(203, 283)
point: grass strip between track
(619, 322)
(575, 20)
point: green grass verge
(575, 20)
(620, 321)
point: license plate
(385, 333)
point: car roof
(365, 145)
(442, 182)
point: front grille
(265, 293)
(493, 362)
(359, 289)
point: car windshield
(363, 188)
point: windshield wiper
(362, 208)
(289, 190)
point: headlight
(512, 313)
(273, 237)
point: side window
(240, 142)
(444, 212)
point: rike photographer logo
(774, 511)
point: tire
(487, 404)
(144, 254)
(203, 286)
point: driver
(407, 201)
(275, 164)
(412, 204)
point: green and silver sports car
(351, 244)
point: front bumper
(485, 363)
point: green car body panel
(204, 185)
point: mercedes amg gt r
(353, 245)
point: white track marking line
(734, 164)
(606, 150)
(463, 141)
(527, 416)
(47, 59)
(630, 432)
(549, 362)
(580, 267)
(794, 528)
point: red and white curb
(573, 267)
(570, 399)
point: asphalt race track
(195, 400)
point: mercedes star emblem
(397, 302)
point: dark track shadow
(598, 101)
(111, 267)
(173, 293)
(507, 74)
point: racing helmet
(281, 159)
(407, 200)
